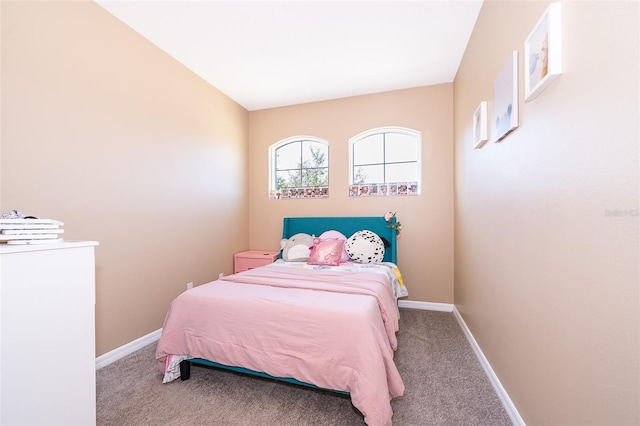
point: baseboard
(124, 350)
(428, 306)
(497, 386)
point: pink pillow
(326, 252)
(336, 235)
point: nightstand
(252, 259)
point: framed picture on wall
(480, 125)
(505, 99)
(543, 53)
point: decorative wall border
(391, 189)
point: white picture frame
(480, 133)
(543, 52)
(505, 99)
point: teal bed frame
(185, 373)
(347, 225)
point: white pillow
(365, 247)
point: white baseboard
(428, 306)
(497, 386)
(124, 350)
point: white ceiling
(265, 54)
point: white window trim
(272, 157)
(390, 129)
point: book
(28, 226)
(4, 237)
(31, 231)
(30, 221)
(19, 224)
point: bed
(331, 327)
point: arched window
(299, 168)
(386, 161)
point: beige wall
(545, 277)
(425, 249)
(102, 130)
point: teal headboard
(347, 225)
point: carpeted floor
(444, 385)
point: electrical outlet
(189, 286)
(221, 274)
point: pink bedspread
(331, 329)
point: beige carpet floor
(444, 385)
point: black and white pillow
(365, 247)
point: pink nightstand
(252, 259)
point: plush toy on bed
(296, 247)
(336, 235)
(365, 247)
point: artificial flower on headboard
(388, 216)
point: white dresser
(47, 334)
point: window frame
(273, 148)
(384, 130)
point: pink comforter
(334, 330)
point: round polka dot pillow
(365, 247)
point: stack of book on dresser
(30, 231)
